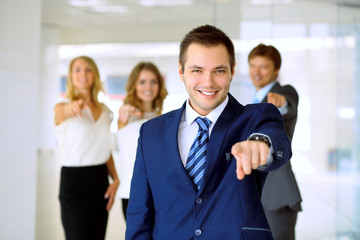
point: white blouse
(127, 139)
(83, 141)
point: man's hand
(249, 155)
(276, 99)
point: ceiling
(93, 21)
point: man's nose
(256, 70)
(208, 79)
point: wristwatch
(259, 137)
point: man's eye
(196, 70)
(220, 71)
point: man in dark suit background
(241, 144)
(281, 196)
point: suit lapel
(172, 150)
(227, 117)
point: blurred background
(319, 41)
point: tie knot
(203, 123)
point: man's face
(262, 71)
(206, 76)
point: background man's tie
(195, 165)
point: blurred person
(281, 196)
(209, 187)
(83, 129)
(145, 94)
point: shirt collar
(260, 95)
(191, 114)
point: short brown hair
(208, 36)
(267, 51)
(131, 97)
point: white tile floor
(331, 209)
(331, 206)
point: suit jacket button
(198, 232)
(199, 200)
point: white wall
(49, 87)
(19, 76)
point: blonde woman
(145, 94)
(83, 129)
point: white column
(356, 143)
(20, 22)
(49, 87)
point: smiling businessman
(200, 169)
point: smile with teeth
(148, 93)
(207, 93)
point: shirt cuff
(284, 109)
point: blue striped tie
(195, 165)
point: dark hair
(267, 51)
(208, 36)
(131, 97)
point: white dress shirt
(188, 129)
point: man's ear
(233, 71)
(181, 72)
(276, 74)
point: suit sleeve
(140, 212)
(270, 123)
(292, 99)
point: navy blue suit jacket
(164, 203)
